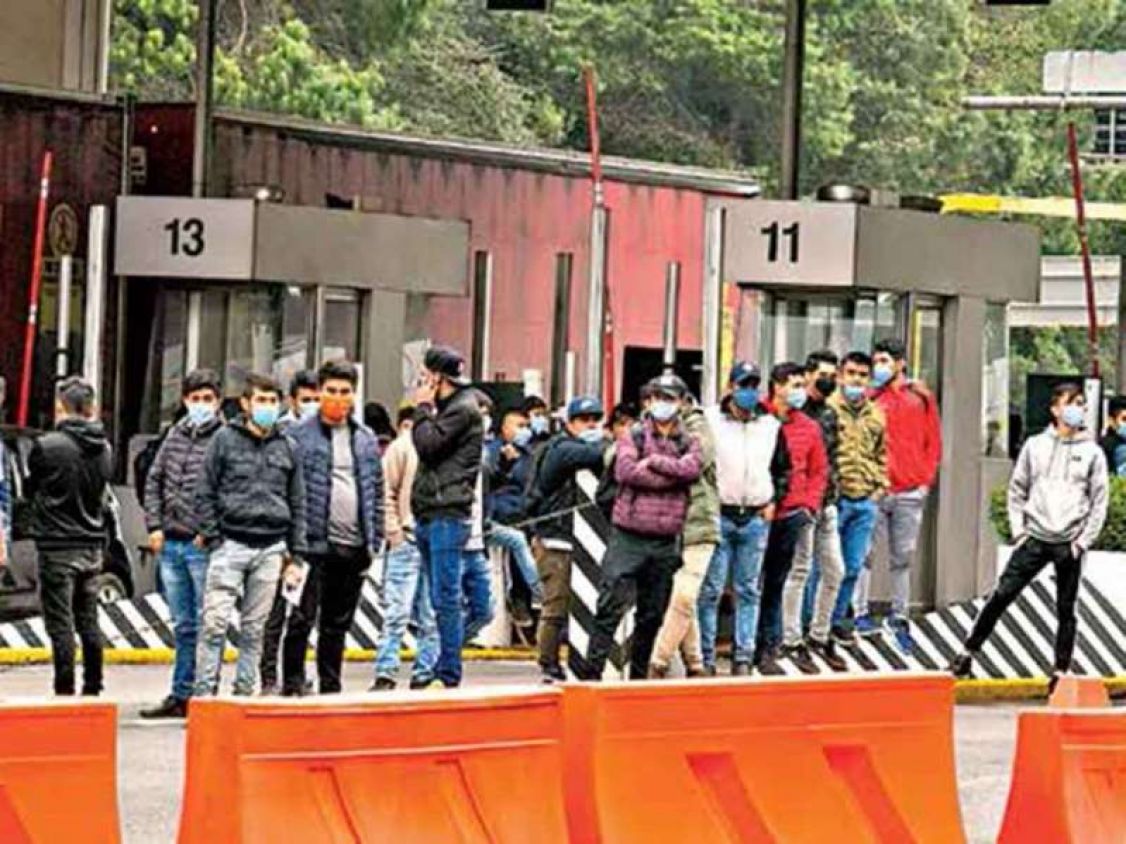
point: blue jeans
(406, 599)
(739, 553)
(442, 544)
(516, 544)
(857, 526)
(477, 583)
(183, 573)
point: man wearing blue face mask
(752, 474)
(1114, 443)
(539, 420)
(914, 443)
(251, 508)
(552, 497)
(173, 524)
(507, 465)
(1057, 507)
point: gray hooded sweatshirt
(1058, 492)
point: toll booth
(786, 278)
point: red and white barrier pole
(36, 284)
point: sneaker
(658, 672)
(768, 665)
(962, 666)
(418, 683)
(553, 674)
(1053, 681)
(709, 671)
(866, 626)
(695, 672)
(799, 655)
(900, 629)
(436, 685)
(843, 635)
(383, 684)
(828, 652)
(270, 690)
(740, 669)
(170, 707)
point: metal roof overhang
(835, 245)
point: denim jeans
(476, 582)
(236, 571)
(516, 544)
(857, 523)
(183, 573)
(406, 599)
(739, 554)
(900, 516)
(441, 542)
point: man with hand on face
(251, 505)
(1057, 508)
(173, 524)
(343, 477)
(553, 495)
(448, 434)
(752, 473)
(655, 469)
(914, 437)
(791, 533)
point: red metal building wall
(523, 217)
(85, 138)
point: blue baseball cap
(744, 371)
(584, 406)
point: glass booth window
(995, 382)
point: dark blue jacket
(507, 481)
(313, 440)
(552, 489)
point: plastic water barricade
(1069, 778)
(58, 774)
(1080, 693)
(786, 760)
(473, 766)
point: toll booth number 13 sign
(179, 237)
(790, 243)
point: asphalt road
(151, 756)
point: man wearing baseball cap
(752, 473)
(447, 434)
(552, 491)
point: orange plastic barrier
(479, 767)
(1079, 693)
(793, 760)
(1069, 779)
(58, 774)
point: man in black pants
(344, 514)
(69, 471)
(1057, 508)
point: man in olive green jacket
(681, 628)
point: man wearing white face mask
(1057, 508)
(173, 524)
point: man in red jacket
(792, 530)
(914, 450)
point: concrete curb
(164, 656)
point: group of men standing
(780, 490)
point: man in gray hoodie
(1057, 507)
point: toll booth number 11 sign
(791, 243)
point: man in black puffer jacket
(251, 501)
(68, 477)
(448, 433)
(173, 524)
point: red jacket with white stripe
(809, 473)
(914, 435)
